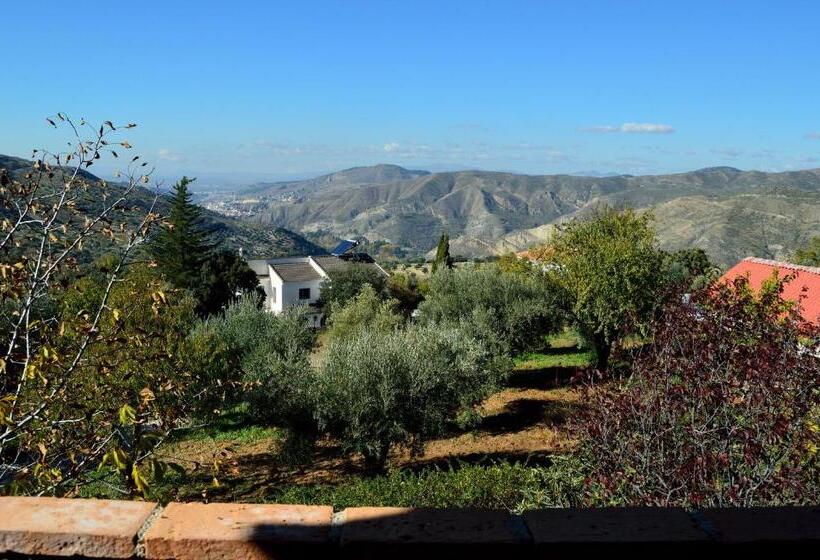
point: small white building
(289, 281)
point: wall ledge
(55, 527)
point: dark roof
(331, 264)
(296, 271)
(343, 247)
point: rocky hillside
(254, 239)
(728, 212)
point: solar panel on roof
(344, 247)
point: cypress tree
(443, 258)
(183, 245)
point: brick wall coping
(54, 527)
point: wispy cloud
(730, 153)
(813, 135)
(391, 147)
(632, 128)
(167, 155)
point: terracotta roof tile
(806, 283)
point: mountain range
(254, 239)
(727, 212)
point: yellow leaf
(127, 414)
(139, 480)
(118, 455)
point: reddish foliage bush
(721, 409)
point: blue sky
(271, 89)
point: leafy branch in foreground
(77, 380)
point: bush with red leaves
(721, 409)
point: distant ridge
(232, 233)
(729, 212)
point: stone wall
(54, 527)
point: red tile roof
(806, 277)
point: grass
(538, 361)
(562, 352)
(234, 426)
(567, 338)
(502, 485)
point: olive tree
(380, 389)
(810, 254)
(511, 311)
(344, 284)
(261, 358)
(365, 311)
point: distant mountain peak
(719, 169)
(380, 173)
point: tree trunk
(603, 349)
(378, 461)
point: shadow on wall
(399, 533)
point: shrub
(406, 290)
(261, 358)
(721, 411)
(365, 311)
(384, 388)
(344, 284)
(509, 311)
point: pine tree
(443, 258)
(183, 245)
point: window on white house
(304, 293)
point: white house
(291, 281)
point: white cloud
(648, 128)
(633, 128)
(391, 147)
(168, 155)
